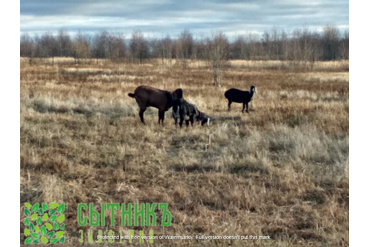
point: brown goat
(146, 96)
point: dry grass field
(281, 170)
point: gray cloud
(163, 17)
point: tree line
(301, 44)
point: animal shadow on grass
(246, 169)
(227, 118)
(194, 168)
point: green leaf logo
(45, 207)
(45, 217)
(56, 226)
(61, 218)
(43, 230)
(28, 240)
(35, 235)
(32, 227)
(61, 208)
(50, 234)
(35, 207)
(41, 218)
(34, 217)
(26, 222)
(27, 212)
(62, 239)
(53, 205)
(51, 212)
(44, 240)
(59, 234)
(53, 218)
(49, 226)
(53, 240)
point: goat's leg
(228, 106)
(175, 116)
(141, 114)
(160, 117)
(181, 121)
(187, 123)
(243, 107)
(176, 123)
(246, 110)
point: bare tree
(201, 48)
(81, 45)
(116, 47)
(107, 45)
(167, 48)
(64, 44)
(46, 46)
(266, 42)
(217, 56)
(26, 45)
(254, 48)
(344, 45)
(138, 46)
(238, 48)
(100, 45)
(305, 47)
(284, 46)
(162, 48)
(330, 43)
(185, 45)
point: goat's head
(177, 94)
(205, 119)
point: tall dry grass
(281, 170)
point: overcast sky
(161, 17)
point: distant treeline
(300, 45)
